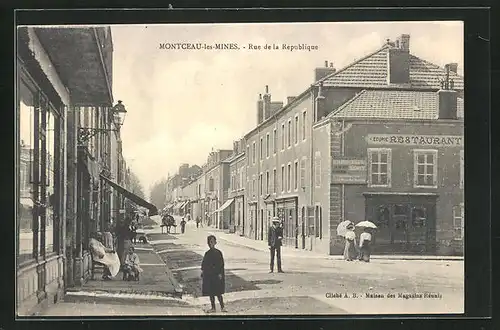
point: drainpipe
(342, 153)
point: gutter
(103, 65)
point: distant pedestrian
(197, 221)
(212, 273)
(274, 240)
(183, 225)
(350, 250)
(365, 240)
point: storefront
(406, 223)
(40, 191)
(252, 220)
(286, 210)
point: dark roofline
(288, 106)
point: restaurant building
(288, 154)
(393, 154)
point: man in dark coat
(275, 236)
(212, 273)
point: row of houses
(379, 140)
(71, 176)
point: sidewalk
(79, 309)
(155, 283)
(299, 253)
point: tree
(136, 186)
(158, 194)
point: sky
(183, 103)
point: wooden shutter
(389, 167)
(435, 168)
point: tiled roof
(394, 105)
(371, 72)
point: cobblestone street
(311, 285)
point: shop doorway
(406, 224)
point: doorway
(406, 224)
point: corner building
(308, 162)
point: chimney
(320, 103)
(453, 67)
(403, 42)
(398, 61)
(260, 110)
(447, 98)
(267, 104)
(327, 70)
(290, 99)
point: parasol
(366, 224)
(342, 227)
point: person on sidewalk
(212, 274)
(131, 268)
(104, 256)
(183, 225)
(274, 240)
(350, 249)
(197, 221)
(365, 240)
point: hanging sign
(349, 171)
(416, 140)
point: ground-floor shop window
(38, 173)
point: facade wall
(40, 235)
(293, 138)
(237, 172)
(447, 194)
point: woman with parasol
(365, 240)
(346, 229)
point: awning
(133, 197)
(179, 205)
(225, 205)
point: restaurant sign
(349, 171)
(416, 140)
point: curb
(177, 286)
(333, 257)
(102, 297)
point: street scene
(240, 169)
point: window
(462, 162)
(253, 185)
(282, 178)
(310, 220)
(296, 130)
(379, 167)
(275, 182)
(267, 182)
(261, 183)
(211, 184)
(261, 150)
(303, 172)
(40, 146)
(248, 155)
(304, 117)
(275, 141)
(289, 140)
(267, 145)
(253, 153)
(317, 169)
(425, 168)
(296, 175)
(289, 177)
(283, 135)
(458, 221)
(419, 217)
(318, 225)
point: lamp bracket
(85, 133)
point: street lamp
(118, 112)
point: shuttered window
(458, 221)
(317, 169)
(462, 162)
(303, 172)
